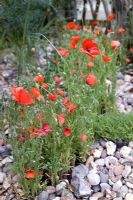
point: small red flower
(111, 17)
(73, 44)
(106, 58)
(120, 31)
(66, 101)
(78, 28)
(52, 97)
(45, 86)
(22, 96)
(63, 52)
(91, 80)
(131, 50)
(88, 28)
(83, 137)
(60, 92)
(82, 74)
(39, 79)
(55, 61)
(39, 117)
(90, 47)
(109, 30)
(127, 60)
(71, 25)
(57, 79)
(76, 38)
(90, 64)
(21, 138)
(67, 132)
(72, 108)
(36, 93)
(61, 118)
(115, 44)
(30, 174)
(94, 23)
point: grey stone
(7, 160)
(50, 189)
(97, 152)
(2, 177)
(80, 171)
(104, 177)
(104, 154)
(118, 198)
(126, 171)
(60, 187)
(124, 190)
(43, 196)
(96, 188)
(129, 185)
(80, 187)
(118, 170)
(117, 185)
(100, 162)
(125, 151)
(131, 144)
(105, 186)
(129, 196)
(94, 179)
(111, 161)
(111, 148)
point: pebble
(94, 179)
(129, 185)
(125, 151)
(104, 177)
(43, 196)
(129, 196)
(2, 177)
(131, 144)
(126, 171)
(111, 148)
(117, 185)
(100, 162)
(105, 186)
(80, 171)
(118, 170)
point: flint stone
(111, 148)
(43, 196)
(126, 171)
(105, 186)
(129, 196)
(2, 177)
(118, 170)
(94, 179)
(80, 171)
(80, 187)
(117, 185)
(125, 151)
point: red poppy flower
(71, 25)
(61, 118)
(60, 92)
(66, 101)
(115, 44)
(90, 64)
(21, 138)
(94, 23)
(73, 44)
(67, 132)
(46, 128)
(30, 174)
(55, 61)
(63, 52)
(106, 58)
(120, 31)
(57, 79)
(36, 93)
(83, 137)
(72, 108)
(76, 38)
(52, 97)
(45, 86)
(78, 28)
(90, 47)
(39, 79)
(111, 17)
(127, 60)
(22, 96)
(131, 50)
(88, 28)
(91, 80)
(109, 30)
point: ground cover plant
(56, 116)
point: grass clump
(114, 126)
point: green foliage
(114, 126)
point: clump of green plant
(55, 114)
(114, 126)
